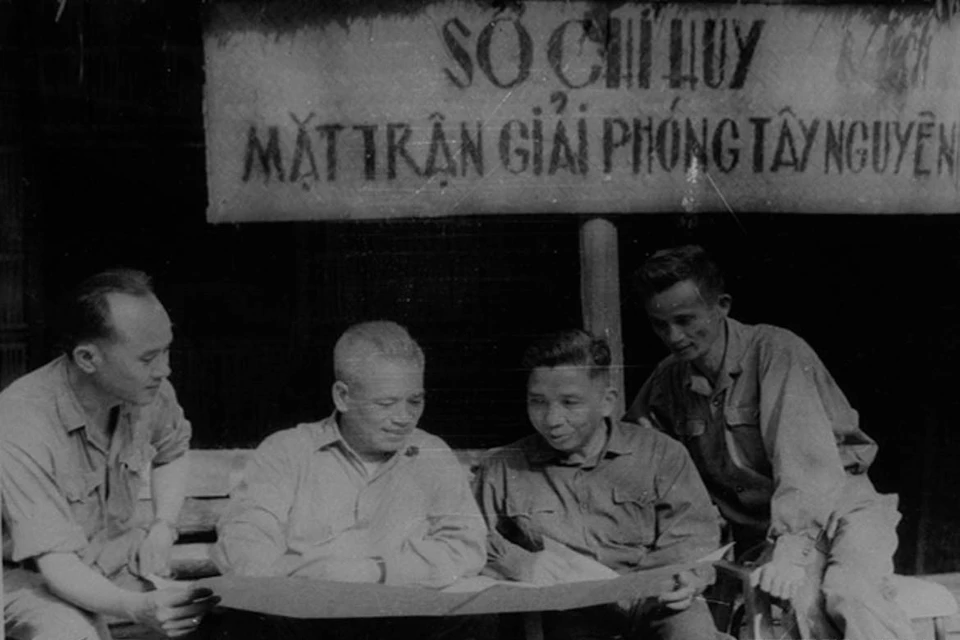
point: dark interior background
(103, 107)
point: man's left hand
(153, 556)
(688, 586)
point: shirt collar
(539, 452)
(326, 432)
(732, 360)
(71, 414)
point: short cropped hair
(572, 347)
(667, 267)
(85, 312)
(380, 338)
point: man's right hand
(545, 568)
(175, 611)
(780, 579)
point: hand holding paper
(175, 608)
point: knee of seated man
(841, 582)
(32, 612)
(53, 621)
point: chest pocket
(133, 471)
(744, 439)
(635, 517)
(525, 524)
(82, 491)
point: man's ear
(610, 395)
(87, 356)
(724, 302)
(340, 392)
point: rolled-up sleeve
(453, 545)
(36, 511)
(251, 534)
(172, 432)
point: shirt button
(739, 489)
(717, 401)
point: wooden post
(600, 292)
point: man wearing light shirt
(363, 495)
(79, 437)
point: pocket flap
(623, 495)
(742, 415)
(78, 486)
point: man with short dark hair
(78, 439)
(585, 485)
(779, 448)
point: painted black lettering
(331, 131)
(640, 132)
(746, 50)
(759, 142)
(903, 141)
(948, 149)
(809, 137)
(856, 156)
(880, 159)
(268, 157)
(303, 148)
(924, 132)
(612, 52)
(505, 146)
(733, 154)
(785, 155)
(439, 148)
(555, 57)
(645, 51)
(524, 59)
(538, 140)
(397, 148)
(611, 144)
(561, 155)
(471, 149)
(668, 153)
(369, 149)
(834, 146)
(714, 53)
(458, 52)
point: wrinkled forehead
(377, 370)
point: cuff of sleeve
(794, 548)
(510, 561)
(163, 458)
(35, 539)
